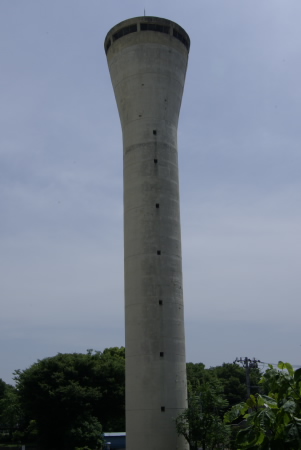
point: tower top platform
(146, 24)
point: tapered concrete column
(147, 58)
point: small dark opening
(162, 408)
(154, 132)
(161, 354)
(155, 161)
(160, 302)
(158, 252)
(157, 205)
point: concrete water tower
(147, 59)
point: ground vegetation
(272, 421)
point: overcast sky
(61, 211)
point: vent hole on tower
(157, 205)
(161, 354)
(160, 302)
(155, 161)
(154, 132)
(158, 252)
(162, 408)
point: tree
(70, 395)
(86, 432)
(233, 379)
(10, 411)
(231, 376)
(2, 388)
(201, 422)
(273, 421)
(196, 375)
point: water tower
(147, 59)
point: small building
(115, 441)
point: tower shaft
(147, 59)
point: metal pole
(248, 377)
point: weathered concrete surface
(148, 72)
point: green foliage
(273, 421)
(231, 376)
(233, 379)
(83, 448)
(70, 395)
(196, 375)
(26, 433)
(201, 422)
(10, 411)
(2, 388)
(86, 432)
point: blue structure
(115, 441)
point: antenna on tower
(144, 12)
